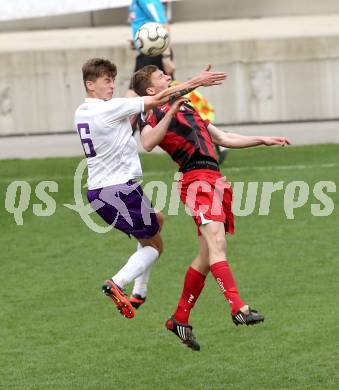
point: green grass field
(57, 330)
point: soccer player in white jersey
(113, 168)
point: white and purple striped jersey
(107, 138)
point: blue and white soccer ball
(151, 39)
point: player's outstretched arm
(206, 78)
(237, 141)
(152, 136)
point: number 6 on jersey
(87, 144)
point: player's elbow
(218, 140)
(169, 68)
(147, 146)
(225, 140)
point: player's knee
(157, 243)
(201, 264)
(160, 247)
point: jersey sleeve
(121, 108)
(154, 10)
(148, 119)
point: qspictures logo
(249, 198)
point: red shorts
(208, 195)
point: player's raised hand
(208, 78)
(282, 141)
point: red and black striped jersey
(187, 133)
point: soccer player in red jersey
(103, 124)
(179, 130)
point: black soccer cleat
(248, 317)
(137, 300)
(184, 332)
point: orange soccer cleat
(119, 298)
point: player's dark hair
(97, 67)
(141, 79)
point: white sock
(141, 282)
(141, 260)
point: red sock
(224, 277)
(193, 284)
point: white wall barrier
(281, 74)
